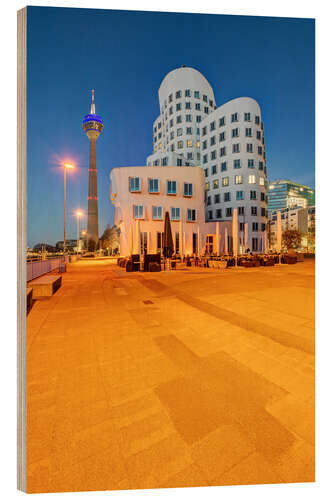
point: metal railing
(40, 267)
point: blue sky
(124, 55)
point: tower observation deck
(93, 126)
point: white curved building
(185, 99)
(227, 142)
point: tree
(110, 238)
(291, 239)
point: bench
(45, 286)
(29, 299)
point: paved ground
(187, 378)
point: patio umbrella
(167, 237)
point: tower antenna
(92, 108)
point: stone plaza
(193, 377)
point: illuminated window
(179, 144)
(252, 179)
(261, 181)
(198, 144)
(238, 179)
(225, 181)
(215, 184)
(189, 143)
(157, 213)
(207, 186)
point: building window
(261, 181)
(154, 185)
(215, 184)
(171, 187)
(204, 159)
(225, 181)
(247, 117)
(222, 121)
(187, 105)
(253, 195)
(235, 148)
(206, 110)
(227, 196)
(204, 130)
(175, 213)
(262, 196)
(250, 163)
(210, 214)
(170, 97)
(172, 147)
(205, 98)
(223, 151)
(222, 136)
(209, 200)
(212, 126)
(257, 120)
(198, 118)
(188, 189)
(254, 244)
(241, 210)
(197, 106)
(171, 123)
(198, 144)
(263, 212)
(239, 195)
(248, 132)
(228, 212)
(191, 215)
(164, 161)
(213, 140)
(237, 164)
(216, 198)
(179, 144)
(219, 213)
(234, 132)
(188, 118)
(263, 226)
(178, 106)
(138, 211)
(187, 93)
(261, 165)
(238, 179)
(196, 94)
(259, 150)
(204, 145)
(189, 143)
(254, 226)
(252, 179)
(214, 169)
(241, 226)
(179, 162)
(134, 184)
(213, 155)
(178, 94)
(234, 117)
(179, 119)
(190, 156)
(249, 148)
(223, 166)
(211, 103)
(179, 131)
(188, 130)
(170, 110)
(258, 134)
(253, 210)
(157, 213)
(206, 172)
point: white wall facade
(234, 161)
(185, 98)
(140, 229)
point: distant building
(298, 219)
(288, 194)
(71, 244)
(142, 195)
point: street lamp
(67, 166)
(78, 214)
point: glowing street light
(67, 166)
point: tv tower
(93, 126)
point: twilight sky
(124, 55)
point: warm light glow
(68, 165)
(78, 213)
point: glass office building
(287, 194)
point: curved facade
(185, 99)
(234, 161)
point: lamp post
(78, 214)
(67, 166)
